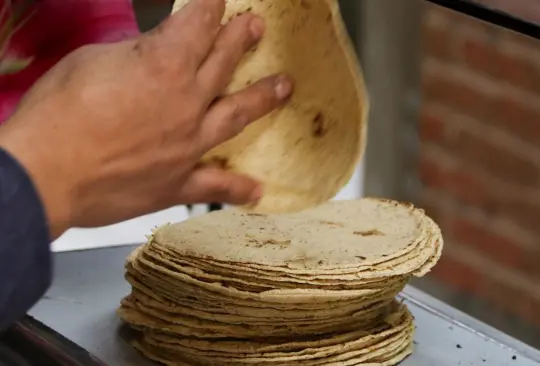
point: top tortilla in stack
(360, 241)
(319, 136)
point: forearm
(25, 257)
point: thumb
(212, 184)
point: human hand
(115, 131)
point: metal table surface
(89, 284)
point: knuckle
(161, 27)
(223, 188)
(226, 123)
(156, 58)
(243, 37)
(210, 11)
(237, 117)
(241, 25)
(153, 65)
(233, 43)
(207, 17)
(223, 56)
(264, 96)
(192, 117)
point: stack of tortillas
(311, 288)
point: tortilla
(220, 289)
(333, 237)
(308, 345)
(308, 150)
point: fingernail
(257, 28)
(256, 195)
(283, 88)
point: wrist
(42, 166)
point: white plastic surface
(127, 232)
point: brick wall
(480, 156)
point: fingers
(231, 114)
(233, 41)
(212, 184)
(191, 32)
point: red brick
(467, 187)
(431, 174)
(443, 88)
(487, 285)
(517, 118)
(456, 20)
(437, 42)
(501, 249)
(524, 43)
(503, 164)
(488, 58)
(471, 169)
(517, 301)
(477, 149)
(434, 210)
(458, 275)
(531, 267)
(478, 55)
(459, 182)
(431, 127)
(517, 71)
(525, 211)
(448, 16)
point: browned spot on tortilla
(331, 223)
(277, 242)
(256, 214)
(372, 232)
(361, 257)
(262, 243)
(305, 4)
(318, 125)
(189, 253)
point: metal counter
(89, 284)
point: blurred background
(479, 164)
(455, 128)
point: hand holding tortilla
(146, 113)
(311, 287)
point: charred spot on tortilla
(372, 232)
(318, 125)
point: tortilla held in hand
(308, 150)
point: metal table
(89, 285)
